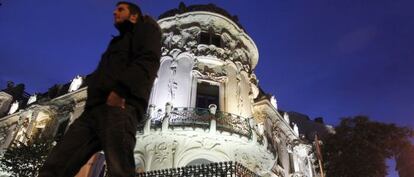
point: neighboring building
(206, 106)
(309, 128)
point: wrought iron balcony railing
(203, 118)
(221, 169)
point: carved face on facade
(122, 14)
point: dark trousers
(107, 128)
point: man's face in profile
(121, 13)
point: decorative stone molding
(14, 107)
(182, 31)
(260, 116)
(32, 99)
(179, 147)
(184, 39)
(75, 84)
(210, 76)
(5, 101)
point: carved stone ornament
(273, 101)
(207, 144)
(22, 134)
(210, 76)
(3, 134)
(32, 99)
(161, 152)
(75, 84)
(14, 107)
(187, 40)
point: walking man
(118, 93)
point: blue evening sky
(319, 57)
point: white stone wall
(174, 82)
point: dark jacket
(129, 65)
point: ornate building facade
(206, 105)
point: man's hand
(115, 100)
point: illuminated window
(207, 94)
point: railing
(233, 123)
(197, 117)
(221, 169)
(202, 118)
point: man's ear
(133, 18)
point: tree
(360, 147)
(23, 159)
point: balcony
(200, 118)
(222, 169)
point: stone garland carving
(204, 68)
(210, 76)
(211, 50)
(228, 41)
(187, 40)
(234, 124)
